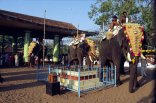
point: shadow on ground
(21, 86)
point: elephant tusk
(90, 58)
(142, 56)
(129, 57)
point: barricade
(80, 79)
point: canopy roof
(17, 24)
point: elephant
(130, 38)
(76, 53)
(38, 51)
(116, 50)
(110, 51)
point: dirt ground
(20, 86)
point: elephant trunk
(129, 57)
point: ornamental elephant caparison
(78, 52)
(131, 38)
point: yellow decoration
(153, 50)
(134, 34)
(92, 45)
(143, 51)
(133, 61)
(109, 35)
(31, 47)
(148, 51)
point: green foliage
(103, 10)
(139, 10)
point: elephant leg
(69, 61)
(88, 62)
(122, 66)
(103, 62)
(136, 83)
(118, 82)
(80, 61)
(133, 77)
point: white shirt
(116, 30)
(82, 37)
(126, 19)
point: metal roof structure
(16, 24)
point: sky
(70, 11)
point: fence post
(109, 73)
(112, 75)
(79, 82)
(106, 74)
(115, 76)
(103, 73)
(49, 69)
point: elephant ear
(120, 37)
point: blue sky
(71, 11)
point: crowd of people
(11, 60)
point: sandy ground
(20, 86)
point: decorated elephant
(121, 47)
(37, 50)
(130, 38)
(77, 52)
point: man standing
(124, 18)
(143, 67)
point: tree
(103, 10)
(140, 10)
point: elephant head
(92, 52)
(83, 49)
(37, 49)
(130, 38)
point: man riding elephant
(114, 28)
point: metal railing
(81, 79)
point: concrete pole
(56, 50)
(26, 44)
